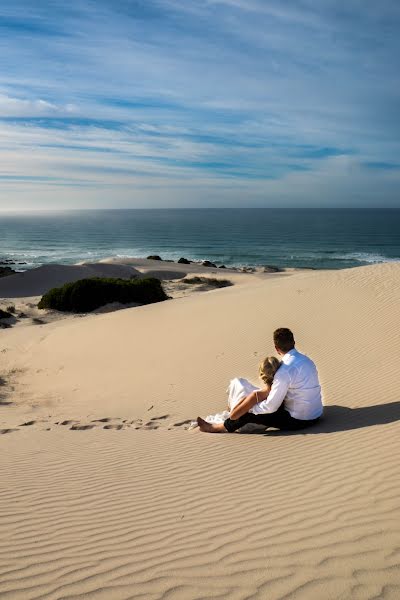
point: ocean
(313, 238)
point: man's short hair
(283, 339)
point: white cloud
(20, 107)
(190, 83)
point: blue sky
(185, 103)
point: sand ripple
(148, 515)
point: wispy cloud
(267, 98)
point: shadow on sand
(343, 418)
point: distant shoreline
(16, 266)
(319, 239)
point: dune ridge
(159, 512)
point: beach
(108, 493)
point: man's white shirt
(296, 384)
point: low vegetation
(86, 295)
(209, 281)
(5, 314)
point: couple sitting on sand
(290, 400)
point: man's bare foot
(210, 427)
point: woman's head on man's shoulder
(284, 342)
(267, 369)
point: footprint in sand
(153, 423)
(183, 423)
(27, 424)
(81, 427)
(3, 431)
(149, 425)
(66, 423)
(110, 424)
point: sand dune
(105, 494)
(38, 281)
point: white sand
(145, 508)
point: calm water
(318, 238)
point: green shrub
(211, 281)
(86, 295)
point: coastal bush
(86, 295)
(211, 281)
(4, 314)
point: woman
(242, 396)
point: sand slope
(146, 509)
(38, 281)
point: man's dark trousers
(281, 419)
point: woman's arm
(248, 402)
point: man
(293, 402)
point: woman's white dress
(238, 388)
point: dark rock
(222, 267)
(154, 257)
(22, 263)
(207, 263)
(184, 261)
(4, 314)
(271, 269)
(22, 315)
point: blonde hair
(267, 369)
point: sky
(199, 103)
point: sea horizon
(301, 237)
(25, 211)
